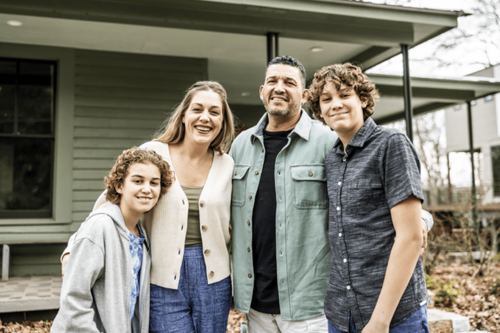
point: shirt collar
(302, 128)
(360, 137)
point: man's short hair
(347, 75)
(123, 162)
(290, 61)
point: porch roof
(229, 33)
(428, 94)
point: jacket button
(202, 203)
(256, 172)
(248, 249)
(235, 173)
(248, 222)
(249, 197)
(310, 174)
(204, 228)
(250, 275)
(211, 274)
(207, 252)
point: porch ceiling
(230, 33)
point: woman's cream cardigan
(166, 224)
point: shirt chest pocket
(362, 197)
(239, 184)
(309, 186)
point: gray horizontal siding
(121, 100)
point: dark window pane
(7, 106)
(7, 96)
(495, 158)
(35, 98)
(26, 177)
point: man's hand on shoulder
(64, 261)
(424, 234)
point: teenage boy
(106, 282)
(377, 283)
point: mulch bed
(479, 299)
(480, 296)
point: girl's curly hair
(340, 75)
(123, 162)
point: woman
(189, 227)
(376, 282)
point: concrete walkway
(30, 294)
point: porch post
(272, 46)
(475, 223)
(407, 92)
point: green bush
(445, 292)
(495, 287)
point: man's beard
(279, 111)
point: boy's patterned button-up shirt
(379, 170)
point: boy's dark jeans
(416, 323)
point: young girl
(377, 282)
(106, 282)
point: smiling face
(141, 188)
(341, 109)
(282, 91)
(203, 118)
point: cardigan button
(204, 228)
(211, 274)
(248, 249)
(249, 197)
(250, 276)
(256, 172)
(310, 174)
(202, 203)
(248, 222)
(235, 173)
(207, 252)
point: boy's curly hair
(347, 75)
(123, 162)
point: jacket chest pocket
(362, 197)
(309, 186)
(239, 184)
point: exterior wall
(121, 100)
(106, 102)
(484, 125)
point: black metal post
(276, 45)
(473, 186)
(272, 45)
(407, 92)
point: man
(281, 256)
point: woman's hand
(376, 327)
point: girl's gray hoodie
(95, 294)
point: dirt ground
(478, 298)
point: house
(80, 81)
(486, 137)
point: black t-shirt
(265, 296)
